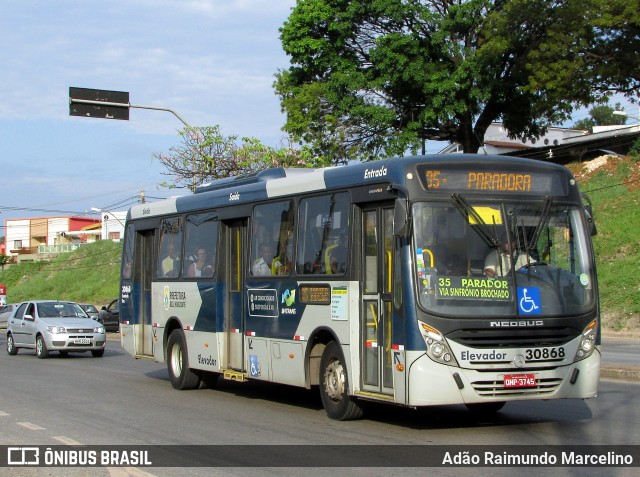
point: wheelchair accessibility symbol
(254, 366)
(529, 301)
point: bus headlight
(587, 341)
(437, 347)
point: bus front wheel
(334, 386)
(178, 363)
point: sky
(211, 61)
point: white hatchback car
(48, 325)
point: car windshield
(485, 258)
(90, 308)
(60, 310)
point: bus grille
(513, 338)
(497, 389)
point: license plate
(82, 341)
(519, 380)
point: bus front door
(375, 320)
(235, 246)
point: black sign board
(97, 103)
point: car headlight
(587, 341)
(437, 347)
(56, 329)
(98, 329)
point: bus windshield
(476, 257)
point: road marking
(31, 426)
(128, 472)
(68, 441)
(2, 414)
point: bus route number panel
(530, 182)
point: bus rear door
(142, 273)
(235, 244)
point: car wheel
(178, 363)
(97, 353)
(334, 386)
(11, 346)
(41, 348)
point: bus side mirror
(401, 219)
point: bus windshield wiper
(483, 229)
(544, 217)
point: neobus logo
(372, 173)
(234, 196)
(515, 324)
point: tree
(371, 77)
(4, 259)
(601, 115)
(206, 154)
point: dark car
(90, 310)
(109, 316)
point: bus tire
(178, 362)
(334, 386)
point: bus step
(234, 376)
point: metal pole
(129, 105)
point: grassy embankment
(90, 274)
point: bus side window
(170, 248)
(323, 221)
(272, 231)
(200, 245)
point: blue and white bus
(415, 281)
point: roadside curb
(620, 372)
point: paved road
(117, 399)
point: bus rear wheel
(334, 386)
(178, 363)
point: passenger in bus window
(287, 263)
(499, 262)
(171, 263)
(265, 265)
(201, 267)
(338, 260)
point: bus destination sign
(547, 183)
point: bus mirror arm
(588, 212)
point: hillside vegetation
(90, 274)
(87, 275)
(613, 185)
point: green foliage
(206, 154)
(371, 78)
(601, 115)
(87, 275)
(635, 150)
